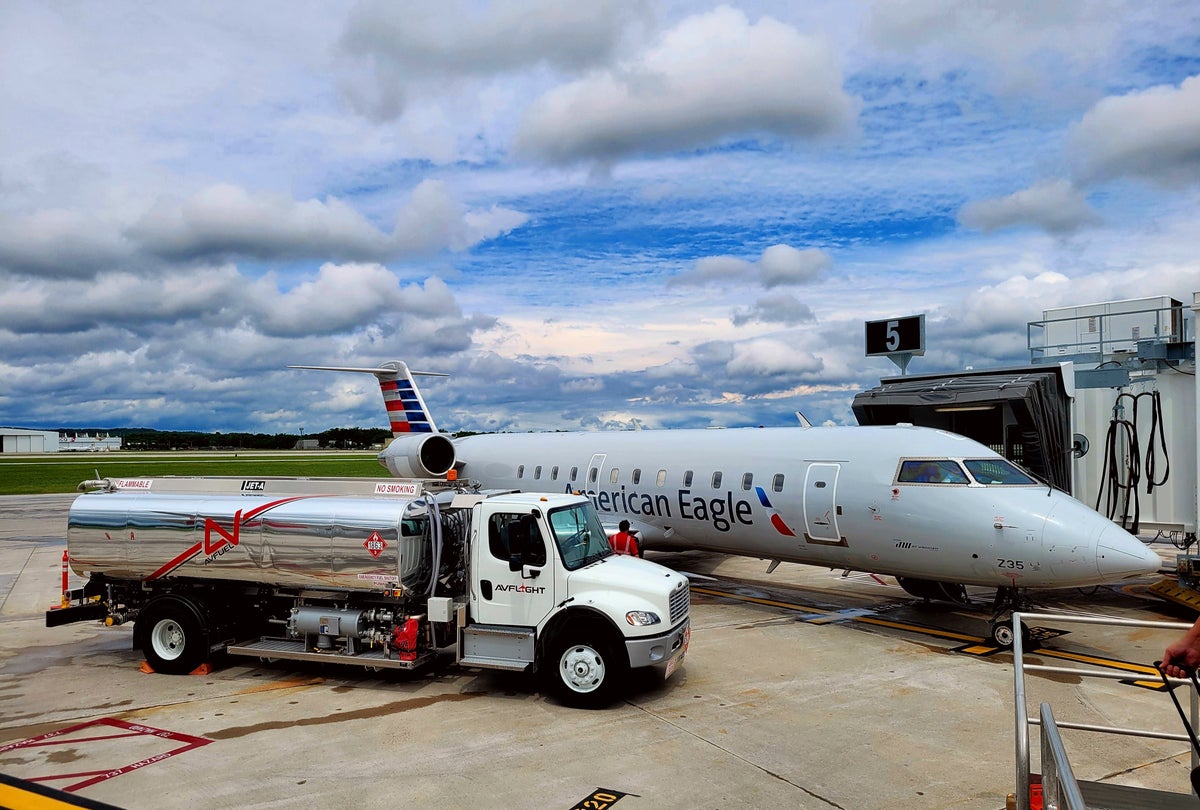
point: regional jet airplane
(934, 509)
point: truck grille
(681, 599)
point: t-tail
(431, 455)
(406, 409)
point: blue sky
(589, 215)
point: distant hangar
(21, 441)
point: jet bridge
(1022, 413)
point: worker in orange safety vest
(625, 541)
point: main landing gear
(1008, 601)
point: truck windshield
(580, 536)
(997, 471)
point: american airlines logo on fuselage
(723, 512)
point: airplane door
(820, 503)
(595, 467)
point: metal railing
(1062, 779)
(1095, 335)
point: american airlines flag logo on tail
(405, 409)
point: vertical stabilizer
(406, 408)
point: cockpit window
(997, 471)
(931, 471)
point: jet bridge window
(931, 471)
(997, 471)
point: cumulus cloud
(714, 76)
(226, 220)
(1152, 134)
(60, 242)
(1055, 206)
(779, 265)
(785, 309)
(409, 44)
(772, 357)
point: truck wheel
(585, 669)
(174, 638)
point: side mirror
(515, 562)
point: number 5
(893, 337)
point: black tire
(173, 636)
(584, 669)
(1003, 637)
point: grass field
(62, 472)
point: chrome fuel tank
(291, 541)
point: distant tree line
(149, 439)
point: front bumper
(664, 650)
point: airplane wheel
(1003, 637)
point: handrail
(1058, 781)
(1023, 721)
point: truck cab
(546, 590)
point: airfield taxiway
(801, 689)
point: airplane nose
(1119, 554)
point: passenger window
(716, 480)
(612, 477)
(661, 480)
(637, 476)
(747, 480)
(554, 473)
(777, 482)
(593, 474)
(537, 473)
(931, 471)
(574, 473)
(521, 471)
(687, 478)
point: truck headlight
(641, 618)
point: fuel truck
(379, 574)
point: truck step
(494, 663)
(279, 648)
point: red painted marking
(88, 778)
(781, 527)
(401, 427)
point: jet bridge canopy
(1023, 414)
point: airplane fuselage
(825, 496)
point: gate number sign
(896, 336)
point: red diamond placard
(375, 544)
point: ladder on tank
(1058, 786)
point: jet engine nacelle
(934, 590)
(431, 455)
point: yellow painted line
(917, 628)
(1139, 669)
(759, 601)
(36, 797)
